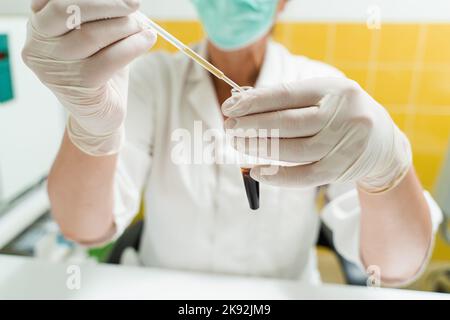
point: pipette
(187, 51)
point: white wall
(326, 10)
(14, 6)
(31, 125)
(303, 10)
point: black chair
(352, 274)
(132, 236)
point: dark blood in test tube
(251, 188)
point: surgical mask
(235, 24)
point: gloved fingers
(268, 99)
(291, 123)
(301, 176)
(332, 154)
(340, 162)
(103, 65)
(56, 18)
(295, 150)
(94, 36)
(300, 94)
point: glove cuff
(95, 145)
(390, 172)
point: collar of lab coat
(202, 95)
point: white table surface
(28, 278)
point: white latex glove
(86, 68)
(331, 124)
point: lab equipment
(6, 87)
(186, 50)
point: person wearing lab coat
(124, 126)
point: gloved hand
(331, 124)
(86, 67)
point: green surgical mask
(235, 24)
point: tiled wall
(406, 67)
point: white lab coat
(197, 216)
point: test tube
(251, 185)
(251, 189)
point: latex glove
(331, 124)
(86, 68)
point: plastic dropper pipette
(187, 51)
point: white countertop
(28, 278)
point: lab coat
(196, 215)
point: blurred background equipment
(31, 124)
(31, 127)
(442, 196)
(6, 88)
(439, 278)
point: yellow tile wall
(406, 67)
